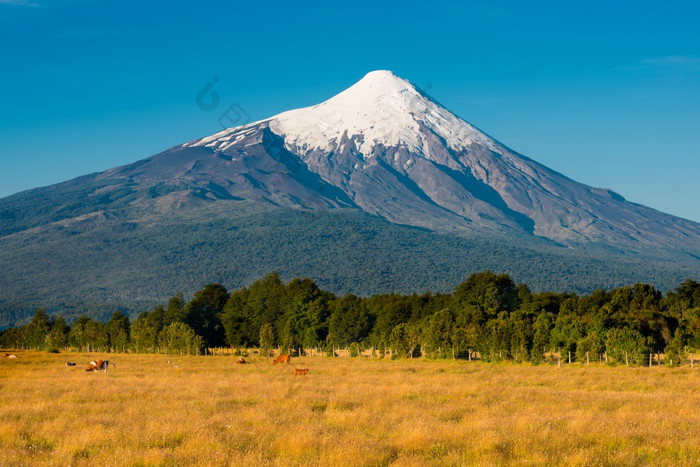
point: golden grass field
(357, 411)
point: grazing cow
(10, 355)
(98, 365)
(281, 359)
(70, 364)
(241, 361)
(300, 371)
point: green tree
(289, 335)
(482, 296)
(99, 337)
(175, 311)
(117, 329)
(439, 334)
(145, 329)
(34, 333)
(521, 334)
(495, 341)
(178, 337)
(82, 334)
(317, 314)
(388, 311)
(685, 297)
(304, 318)
(349, 321)
(267, 339)
(57, 337)
(404, 339)
(11, 338)
(541, 336)
(676, 350)
(683, 306)
(627, 345)
(590, 346)
(466, 337)
(236, 320)
(203, 314)
(568, 331)
(247, 311)
(639, 307)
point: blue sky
(607, 93)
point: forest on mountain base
(130, 264)
(488, 314)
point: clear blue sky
(608, 93)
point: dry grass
(208, 411)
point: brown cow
(10, 355)
(241, 361)
(300, 371)
(282, 359)
(70, 364)
(98, 365)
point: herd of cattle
(285, 358)
(102, 365)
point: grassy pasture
(357, 411)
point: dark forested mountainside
(109, 261)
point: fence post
(650, 358)
(569, 357)
(626, 360)
(559, 360)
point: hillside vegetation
(99, 261)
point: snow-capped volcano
(387, 148)
(309, 192)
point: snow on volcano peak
(381, 108)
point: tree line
(488, 315)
